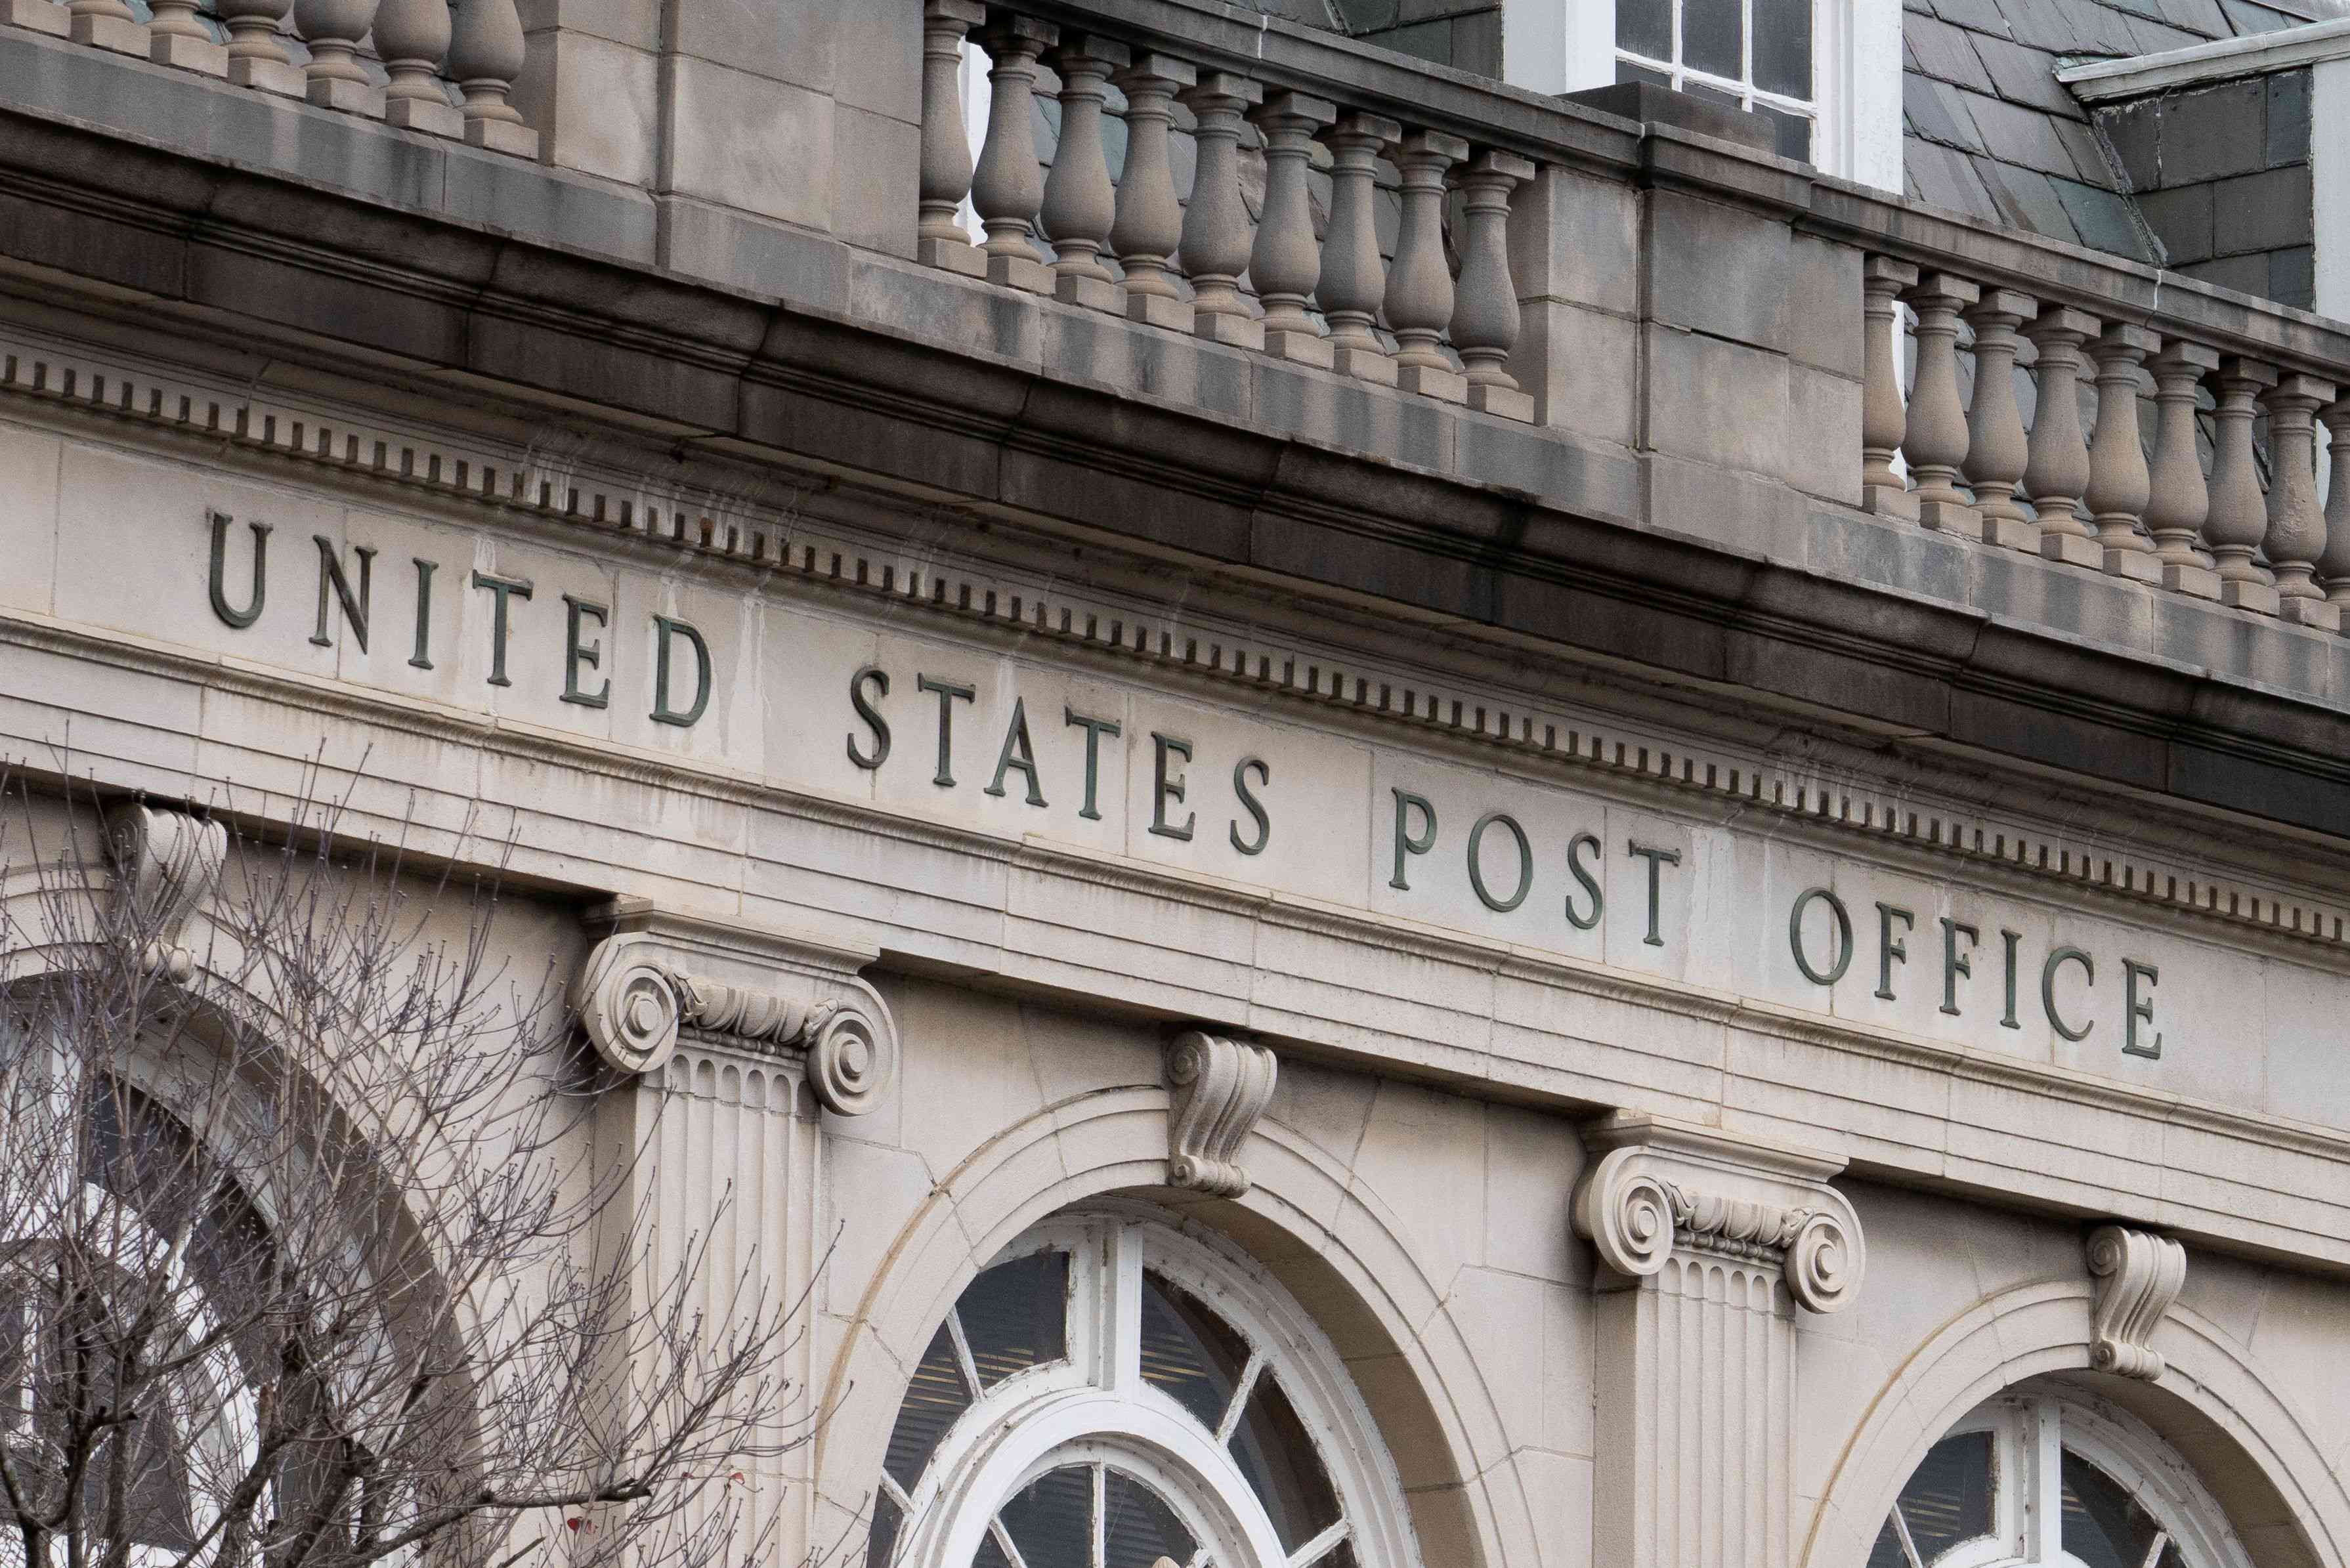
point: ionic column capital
(659, 976)
(1661, 1186)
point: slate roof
(1990, 131)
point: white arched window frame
(2031, 1430)
(1095, 1407)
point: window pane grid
(1754, 54)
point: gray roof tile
(2249, 19)
(2027, 200)
(1983, 16)
(2153, 38)
(2016, 135)
(1946, 53)
(2026, 75)
(1937, 113)
(1943, 178)
(2104, 219)
(2202, 16)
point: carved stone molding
(1221, 1088)
(169, 863)
(1661, 1186)
(2139, 1276)
(659, 976)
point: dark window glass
(1948, 1500)
(1137, 1527)
(1793, 130)
(1887, 1553)
(1782, 46)
(881, 1541)
(1016, 1315)
(1645, 28)
(1052, 1519)
(1188, 1352)
(990, 1554)
(933, 1399)
(2103, 1525)
(1712, 37)
(1272, 1448)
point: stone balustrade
(2130, 496)
(1434, 320)
(442, 70)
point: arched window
(1114, 1392)
(2046, 1476)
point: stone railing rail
(424, 49)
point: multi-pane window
(1748, 54)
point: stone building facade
(1381, 820)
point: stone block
(349, 97)
(2012, 534)
(1447, 386)
(958, 257)
(1884, 501)
(2260, 598)
(1026, 273)
(1301, 348)
(595, 103)
(502, 136)
(794, 41)
(1576, 236)
(1581, 368)
(2214, 133)
(877, 181)
(2322, 614)
(118, 34)
(2136, 566)
(1365, 365)
(1721, 269)
(1158, 310)
(285, 79)
(2262, 212)
(2196, 582)
(39, 15)
(1823, 439)
(754, 254)
(535, 202)
(1236, 331)
(2073, 550)
(749, 141)
(1947, 517)
(1824, 324)
(1504, 402)
(877, 63)
(636, 23)
(421, 114)
(1714, 401)
(199, 54)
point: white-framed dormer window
(1826, 72)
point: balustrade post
(1080, 203)
(2295, 539)
(1286, 261)
(2118, 482)
(2239, 516)
(1486, 314)
(940, 240)
(107, 25)
(1420, 283)
(178, 36)
(485, 54)
(2177, 500)
(334, 30)
(1008, 186)
(1996, 450)
(1884, 413)
(1935, 444)
(2058, 472)
(2334, 564)
(1150, 224)
(256, 58)
(1354, 274)
(1216, 237)
(412, 37)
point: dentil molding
(660, 977)
(2138, 1275)
(1221, 1087)
(168, 862)
(1662, 1187)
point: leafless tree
(309, 1257)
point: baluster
(1354, 274)
(1080, 203)
(1937, 443)
(1149, 219)
(1420, 283)
(106, 24)
(2059, 471)
(2239, 517)
(1884, 413)
(2118, 473)
(2296, 523)
(1485, 316)
(2177, 499)
(940, 240)
(255, 56)
(1286, 261)
(412, 37)
(1996, 451)
(178, 36)
(334, 30)
(1216, 238)
(485, 54)
(1008, 187)
(2334, 565)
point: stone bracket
(1221, 1088)
(168, 862)
(1661, 1186)
(2138, 1275)
(659, 976)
